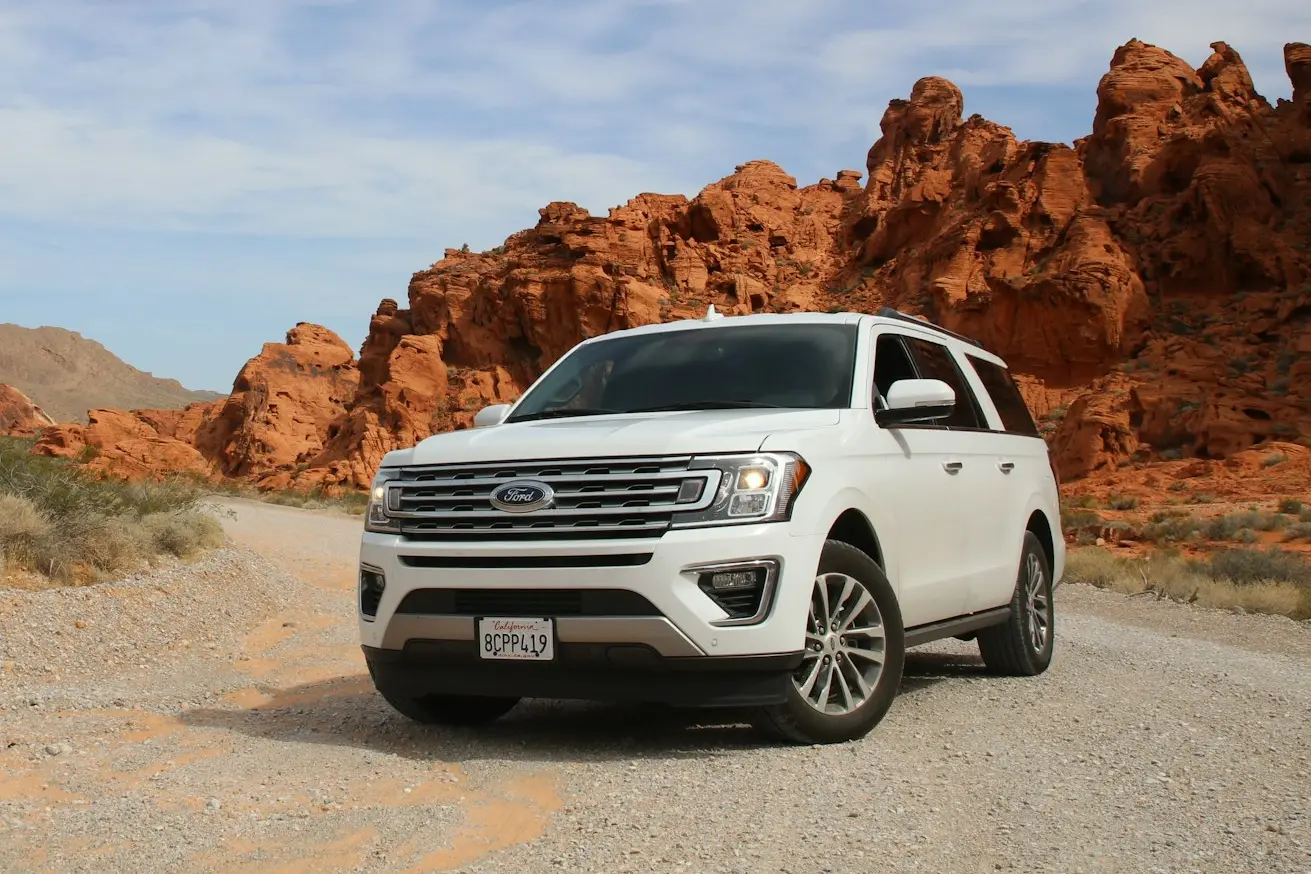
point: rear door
(1016, 463)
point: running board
(951, 627)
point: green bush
(61, 521)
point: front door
(927, 482)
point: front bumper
(585, 671)
(627, 593)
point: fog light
(372, 585)
(742, 589)
(734, 580)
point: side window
(936, 362)
(1015, 415)
(891, 363)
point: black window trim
(880, 332)
(1003, 429)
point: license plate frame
(515, 638)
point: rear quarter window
(1006, 397)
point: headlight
(375, 518)
(752, 488)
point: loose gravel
(216, 716)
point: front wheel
(855, 649)
(1022, 646)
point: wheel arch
(853, 528)
(1041, 527)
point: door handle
(1006, 466)
(952, 466)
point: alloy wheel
(845, 646)
(1038, 600)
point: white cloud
(421, 119)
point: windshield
(787, 366)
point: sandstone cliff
(1151, 283)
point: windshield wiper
(710, 405)
(565, 412)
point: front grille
(593, 499)
(526, 602)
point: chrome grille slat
(593, 497)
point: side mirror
(493, 415)
(916, 400)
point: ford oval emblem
(522, 496)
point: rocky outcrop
(1150, 284)
(19, 417)
(285, 406)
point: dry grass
(1259, 581)
(58, 521)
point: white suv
(759, 511)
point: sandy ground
(217, 717)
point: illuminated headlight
(376, 518)
(751, 488)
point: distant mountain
(66, 374)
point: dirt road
(217, 717)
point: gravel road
(216, 716)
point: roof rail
(890, 313)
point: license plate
(518, 639)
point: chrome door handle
(1006, 466)
(952, 466)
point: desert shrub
(59, 520)
(181, 534)
(1298, 531)
(1232, 526)
(1258, 581)
(1168, 527)
(1259, 565)
(1122, 502)
(1075, 520)
(1291, 506)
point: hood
(664, 433)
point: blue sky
(184, 180)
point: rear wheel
(855, 648)
(1022, 646)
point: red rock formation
(133, 445)
(1151, 284)
(283, 408)
(19, 417)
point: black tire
(797, 720)
(441, 709)
(1012, 648)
